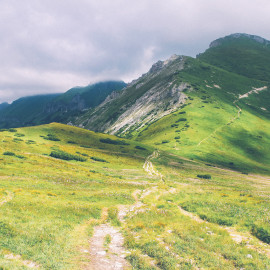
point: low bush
(261, 232)
(30, 142)
(98, 159)
(19, 135)
(8, 153)
(20, 156)
(66, 156)
(110, 141)
(139, 147)
(181, 120)
(165, 141)
(12, 130)
(204, 176)
(85, 146)
(71, 142)
(51, 137)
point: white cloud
(50, 46)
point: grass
(220, 136)
(51, 205)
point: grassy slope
(241, 55)
(53, 204)
(51, 196)
(208, 113)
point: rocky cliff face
(145, 100)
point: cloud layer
(50, 46)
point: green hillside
(210, 126)
(92, 94)
(50, 205)
(24, 111)
(42, 109)
(240, 53)
(184, 184)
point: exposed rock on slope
(152, 96)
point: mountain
(243, 54)
(198, 108)
(184, 185)
(24, 111)
(3, 105)
(43, 109)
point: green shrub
(19, 135)
(98, 159)
(181, 120)
(52, 137)
(85, 146)
(30, 142)
(139, 147)
(177, 137)
(261, 232)
(20, 156)
(12, 130)
(204, 176)
(8, 153)
(165, 141)
(17, 140)
(71, 142)
(66, 156)
(110, 141)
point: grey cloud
(51, 46)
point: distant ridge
(43, 109)
(258, 39)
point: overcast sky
(50, 46)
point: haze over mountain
(43, 109)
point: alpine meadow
(170, 171)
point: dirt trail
(112, 257)
(239, 110)
(148, 165)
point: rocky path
(148, 165)
(106, 249)
(107, 243)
